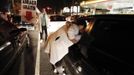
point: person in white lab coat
(44, 23)
(58, 43)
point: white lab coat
(44, 20)
(58, 48)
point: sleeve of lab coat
(73, 32)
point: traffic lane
(10, 52)
(45, 65)
(25, 65)
(30, 57)
(29, 61)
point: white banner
(29, 4)
(28, 9)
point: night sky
(3, 4)
(55, 4)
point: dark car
(12, 44)
(107, 49)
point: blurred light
(75, 8)
(48, 8)
(66, 9)
(89, 26)
(91, 2)
(4, 46)
(79, 68)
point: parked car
(107, 49)
(57, 18)
(56, 21)
(12, 44)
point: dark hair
(81, 21)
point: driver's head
(81, 22)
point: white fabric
(73, 32)
(44, 20)
(57, 48)
(77, 37)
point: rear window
(57, 18)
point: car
(57, 18)
(13, 42)
(106, 49)
(56, 21)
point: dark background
(56, 5)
